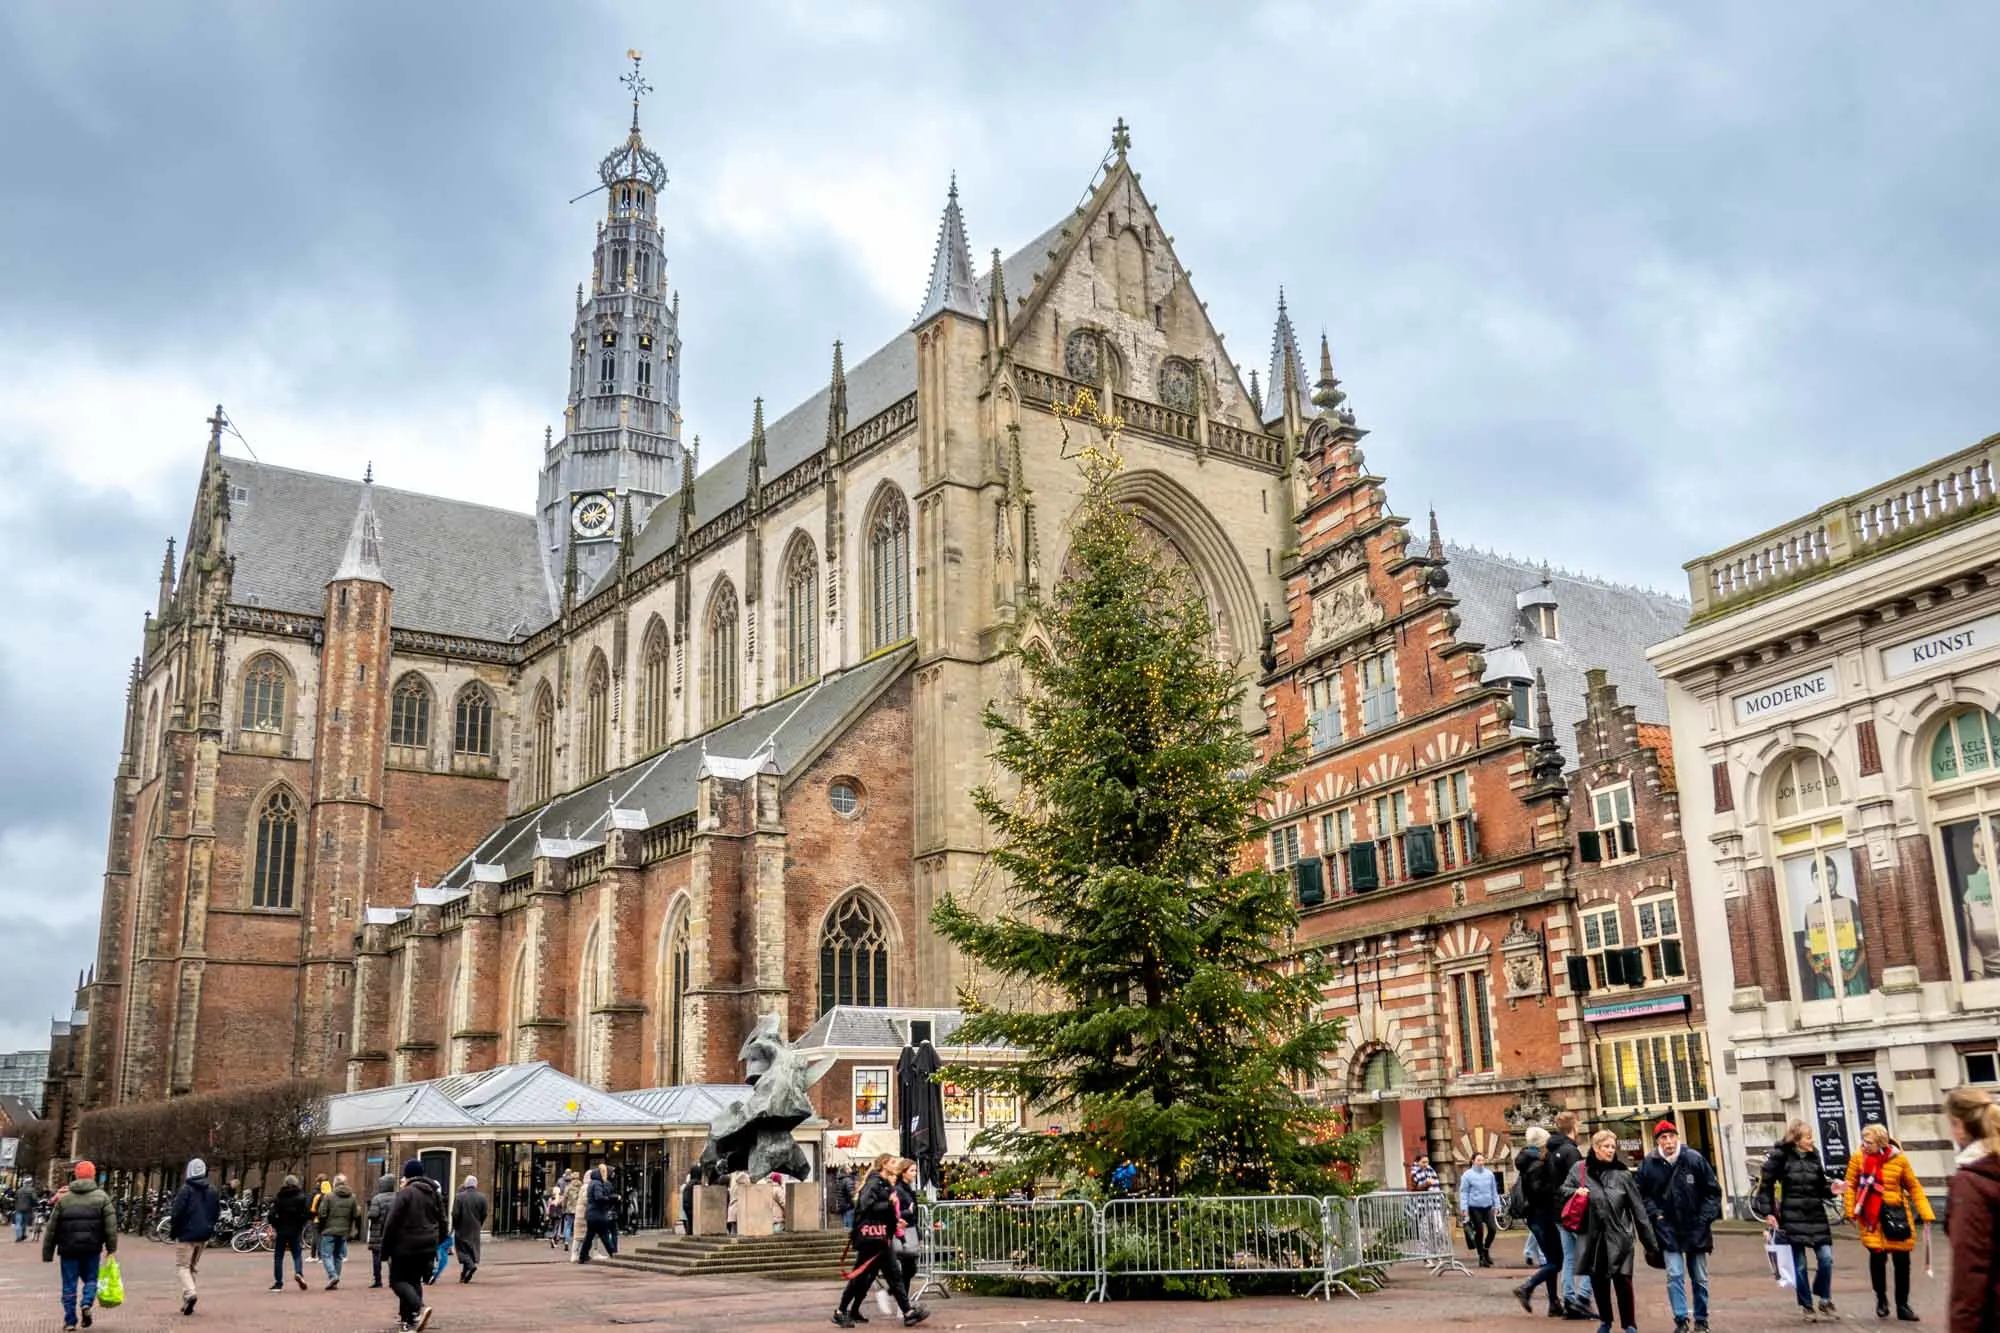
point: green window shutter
(1310, 881)
(1635, 967)
(1628, 837)
(1671, 962)
(1579, 974)
(1361, 867)
(1589, 847)
(1420, 850)
(1613, 967)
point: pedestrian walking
(378, 1216)
(1972, 1212)
(1564, 1154)
(1792, 1193)
(843, 1197)
(25, 1200)
(82, 1229)
(1886, 1201)
(600, 1213)
(1538, 1188)
(573, 1205)
(289, 1212)
(1423, 1176)
(339, 1218)
(1683, 1199)
(190, 1226)
(410, 1236)
(468, 1217)
(687, 1200)
(1478, 1196)
(903, 1247)
(873, 1239)
(1614, 1227)
(322, 1192)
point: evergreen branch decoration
(1175, 1022)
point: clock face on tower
(591, 515)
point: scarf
(1868, 1190)
(1970, 1153)
(1670, 1158)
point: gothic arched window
(854, 956)
(517, 1006)
(265, 684)
(472, 722)
(674, 974)
(275, 872)
(410, 712)
(721, 698)
(656, 678)
(596, 717)
(150, 741)
(888, 571)
(542, 762)
(589, 996)
(801, 613)
(607, 369)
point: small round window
(845, 797)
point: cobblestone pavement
(524, 1285)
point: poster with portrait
(1825, 920)
(1968, 877)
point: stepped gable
(795, 728)
(454, 567)
(874, 384)
(1598, 625)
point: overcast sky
(1611, 284)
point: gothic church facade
(412, 786)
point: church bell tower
(620, 449)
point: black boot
(1881, 1306)
(1906, 1314)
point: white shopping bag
(1780, 1257)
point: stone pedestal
(805, 1209)
(754, 1214)
(711, 1210)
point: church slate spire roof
(952, 285)
(363, 559)
(1285, 360)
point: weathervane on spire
(636, 81)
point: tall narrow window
(801, 614)
(410, 712)
(542, 770)
(1392, 816)
(517, 1008)
(1965, 812)
(656, 678)
(1816, 869)
(589, 998)
(472, 722)
(264, 684)
(645, 368)
(1323, 712)
(150, 740)
(853, 957)
(275, 872)
(596, 717)
(1451, 810)
(607, 370)
(889, 571)
(1475, 1027)
(720, 696)
(675, 967)
(1378, 691)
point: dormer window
(1545, 621)
(1537, 606)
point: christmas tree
(1170, 1023)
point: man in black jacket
(82, 1228)
(1684, 1199)
(600, 1213)
(190, 1225)
(410, 1236)
(1563, 1158)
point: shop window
(871, 1096)
(1654, 1073)
(1001, 1108)
(1473, 1018)
(1660, 936)
(1816, 875)
(1965, 811)
(960, 1105)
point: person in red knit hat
(1683, 1199)
(82, 1229)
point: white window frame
(1473, 984)
(1608, 921)
(1521, 693)
(1451, 812)
(886, 1116)
(1378, 683)
(1991, 1055)
(1649, 941)
(1285, 846)
(1390, 813)
(1336, 835)
(1605, 808)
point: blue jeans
(283, 1244)
(1681, 1267)
(1575, 1285)
(1822, 1286)
(443, 1259)
(21, 1221)
(73, 1271)
(333, 1256)
(1541, 1230)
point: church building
(412, 787)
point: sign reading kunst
(1945, 645)
(1784, 696)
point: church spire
(363, 560)
(836, 399)
(1288, 368)
(952, 286)
(996, 305)
(754, 474)
(687, 492)
(167, 580)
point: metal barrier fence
(1030, 1240)
(1050, 1240)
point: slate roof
(797, 726)
(693, 1104)
(874, 384)
(17, 1111)
(532, 1095)
(1597, 624)
(405, 1106)
(851, 1026)
(455, 567)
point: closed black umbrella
(922, 1101)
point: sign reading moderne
(1940, 646)
(1784, 696)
